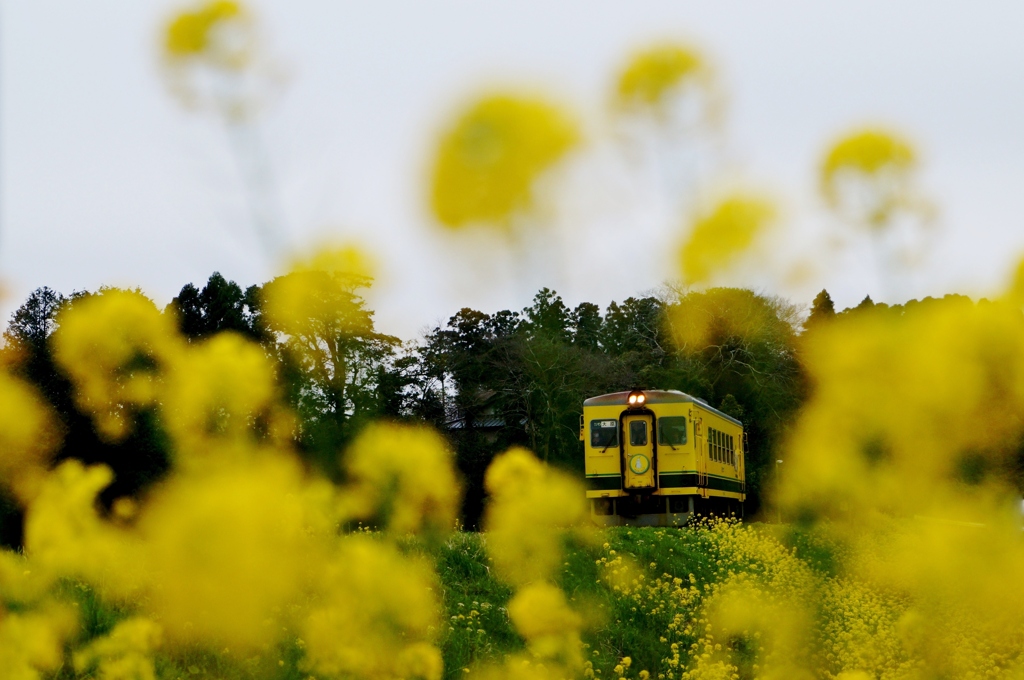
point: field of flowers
(242, 562)
(903, 555)
(716, 600)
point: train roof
(657, 397)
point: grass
(615, 626)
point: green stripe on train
(603, 482)
(669, 480)
(676, 479)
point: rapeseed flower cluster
(116, 346)
(902, 455)
(652, 74)
(532, 512)
(27, 436)
(239, 549)
(723, 233)
(492, 155)
(193, 34)
(404, 473)
(866, 176)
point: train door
(638, 438)
(701, 456)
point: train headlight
(636, 398)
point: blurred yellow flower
(531, 511)
(116, 347)
(28, 434)
(193, 33)
(125, 653)
(542, 615)
(652, 73)
(215, 395)
(722, 234)
(489, 159)
(716, 316)
(226, 550)
(865, 176)
(65, 535)
(377, 617)
(32, 642)
(317, 297)
(403, 474)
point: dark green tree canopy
(822, 310)
(34, 321)
(220, 306)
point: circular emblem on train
(639, 464)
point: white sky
(104, 179)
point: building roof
(657, 397)
(483, 423)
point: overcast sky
(105, 179)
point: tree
(547, 316)
(33, 322)
(585, 326)
(743, 344)
(331, 356)
(220, 306)
(822, 310)
(730, 407)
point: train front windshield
(604, 433)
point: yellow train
(656, 457)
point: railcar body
(656, 457)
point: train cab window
(638, 433)
(671, 431)
(604, 434)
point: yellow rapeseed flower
(66, 537)
(489, 159)
(377, 617)
(542, 615)
(215, 395)
(865, 174)
(189, 34)
(28, 434)
(652, 73)
(32, 642)
(226, 550)
(403, 474)
(317, 297)
(532, 509)
(116, 347)
(125, 653)
(720, 235)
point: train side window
(638, 433)
(672, 431)
(604, 434)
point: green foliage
(220, 306)
(822, 310)
(488, 380)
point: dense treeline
(488, 381)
